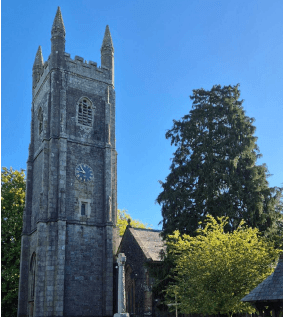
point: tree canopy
(214, 270)
(122, 222)
(214, 168)
(12, 205)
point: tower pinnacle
(38, 61)
(107, 53)
(37, 68)
(107, 40)
(58, 28)
(58, 37)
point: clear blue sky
(163, 50)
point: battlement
(82, 67)
(80, 61)
(86, 68)
(78, 66)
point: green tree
(12, 205)
(214, 168)
(214, 269)
(122, 222)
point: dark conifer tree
(214, 168)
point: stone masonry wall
(83, 280)
(76, 154)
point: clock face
(84, 172)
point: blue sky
(163, 50)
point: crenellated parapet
(82, 67)
(76, 67)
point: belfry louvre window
(85, 112)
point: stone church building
(70, 240)
(69, 235)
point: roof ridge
(147, 229)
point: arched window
(130, 290)
(40, 120)
(85, 112)
(32, 275)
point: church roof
(271, 289)
(150, 242)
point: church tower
(71, 197)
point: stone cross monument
(121, 287)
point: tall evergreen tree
(214, 168)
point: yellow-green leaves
(214, 270)
(122, 222)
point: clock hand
(82, 169)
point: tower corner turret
(107, 53)
(58, 34)
(37, 68)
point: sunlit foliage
(214, 270)
(124, 218)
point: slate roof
(150, 242)
(271, 289)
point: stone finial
(107, 40)
(38, 61)
(121, 259)
(58, 27)
(107, 53)
(129, 222)
(37, 68)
